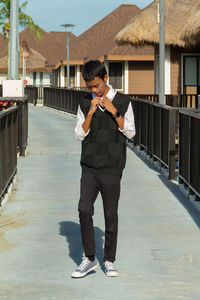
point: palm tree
(24, 19)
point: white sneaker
(110, 269)
(85, 267)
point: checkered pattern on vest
(104, 148)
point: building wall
(77, 75)
(141, 77)
(29, 78)
(3, 76)
(46, 78)
(82, 82)
(176, 70)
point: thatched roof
(45, 53)
(34, 61)
(191, 29)
(144, 27)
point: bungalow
(40, 55)
(131, 69)
(182, 58)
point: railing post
(22, 125)
(35, 95)
(172, 145)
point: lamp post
(67, 40)
(162, 52)
(14, 40)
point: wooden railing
(156, 128)
(22, 104)
(32, 93)
(189, 151)
(8, 147)
(175, 100)
(63, 99)
(151, 97)
(13, 139)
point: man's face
(98, 86)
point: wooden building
(131, 69)
(182, 56)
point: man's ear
(105, 78)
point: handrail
(189, 149)
(22, 103)
(8, 147)
(32, 92)
(63, 98)
(156, 128)
(175, 100)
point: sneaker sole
(112, 275)
(84, 274)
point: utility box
(13, 88)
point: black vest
(104, 148)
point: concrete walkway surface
(158, 254)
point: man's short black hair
(92, 69)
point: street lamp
(14, 41)
(67, 40)
(162, 51)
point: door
(191, 74)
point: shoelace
(109, 266)
(84, 263)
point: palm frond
(36, 29)
(24, 19)
(23, 6)
(6, 4)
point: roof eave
(129, 57)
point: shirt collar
(111, 93)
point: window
(190, 70)
(41, 78)
(34, 78)
(115, 75)
(72, 75)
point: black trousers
(109, 187)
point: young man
(104, 120)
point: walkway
(159, 240)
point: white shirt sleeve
(129, 123)
(79, 132)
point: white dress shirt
(129, 121)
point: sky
(50, 14)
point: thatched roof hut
(144, 27)
(191, 30)
(34, 62)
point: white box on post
(13, 88)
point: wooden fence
(189, 150)
(8, 147)
(156, 129)
(13, 139)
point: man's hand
(93, 106)
(107, 103)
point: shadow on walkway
(194, 213)
(71, 231)
(173, 187)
